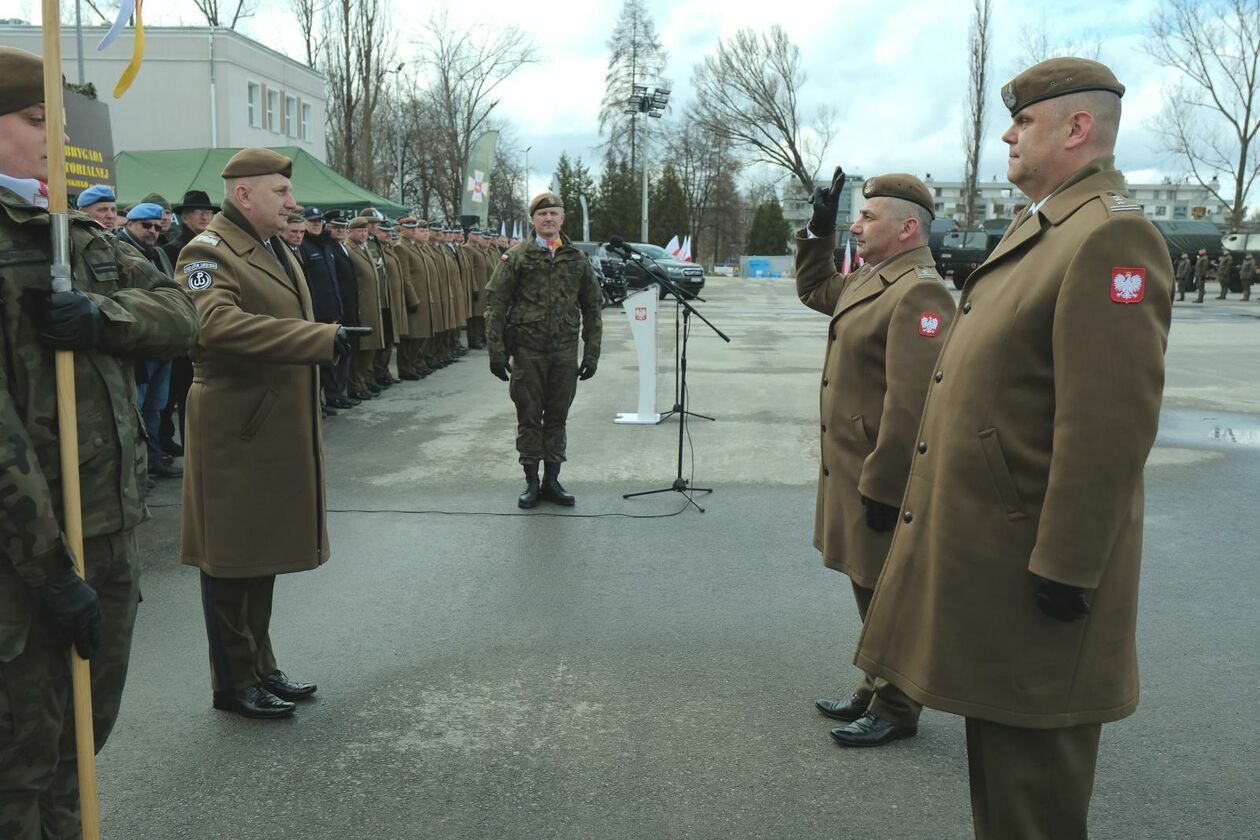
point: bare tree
(700, 160)
(358, 51)
(465, 68)
(1034, 45)
(222, 13)
(636, 57)
(1211, 117)
(308, 14)
(977, 91)
(747, 95)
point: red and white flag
(684, 253)
(847, 268)
(673, 247)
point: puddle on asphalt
(1211, 429)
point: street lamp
(652, 103)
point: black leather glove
(826, 201)
(75, 612)
(341, 340)
(66, 320)
(879, 516)
(586, 370)
(501, 369)
(1060, 601)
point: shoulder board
(1119, 202)
(208, 238)
(927, 272)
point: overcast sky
(897, 79)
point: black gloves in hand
(879, 516)
(826, 201)
(501, 369)
(1060, 601)
(75, 612)
(341, 340)
(66, 320)
(587, 370)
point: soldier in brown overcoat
(887, 320)
(411, 358)
(369, 282)
(1009, 594)
(253, 504)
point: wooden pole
(67, 413)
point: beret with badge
(900, 185)
(21, 80)
(1058, 77)
(254, 161)
(544, 200)
(357, 222)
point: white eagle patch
(929, 324)
(1128, 285)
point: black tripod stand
(680, 484)
(680, 361)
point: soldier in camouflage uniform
(1182, 275)
(540, 291)
(1247, 274)
(121, 309)
(1224, 270)
(1200, 274)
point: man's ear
(1080, 129)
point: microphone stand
(680, 484)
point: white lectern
(641, 310)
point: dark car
(688, 277)
(611, 276)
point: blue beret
(145, 212)
(95, 195)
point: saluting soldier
(1224, 272)
(1009, 595)
(887, 321)
(254, 504)
(1201, 266)
(1247, 274)
(535, 300)
(1182, 276)
(121, 308)
(369, 282)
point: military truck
(963, 250)
(1240, 245)
(1187, 237)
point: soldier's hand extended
(586, 370)
(66, 320)
(1061, 601)
(501, 369)
(879, 516)
(826, 201)
(75, 612)
(341, 342)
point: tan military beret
(1058, 77)
(543, 201)
(900, 185)
(21, 80)
(357, 222)
(257, 161)
(296, 219)
(371, 214)
(155, 198)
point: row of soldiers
(416, 284)
(1247, 275)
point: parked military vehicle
(962, 251)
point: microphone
(618, 243)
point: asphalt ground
(491, 673)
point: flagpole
(67, 412)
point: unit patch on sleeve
(200, 266)
(199, 281)
(929, 324)
(1128, 285)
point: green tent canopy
(172, 173)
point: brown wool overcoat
(420, 320)
(369, 297)
(399, 300)
(459, 293)
(886, 329)
(253, 494)
(441, 286)
(479, 274)
(1036, 427)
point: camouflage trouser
(542, 386)
(39, 783)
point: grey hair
(901, 209)
(1103, 106)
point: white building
(199, 87)
(1167, 201)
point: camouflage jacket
(146, 316)
(542, 299)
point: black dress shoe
(410, 377)
(529, 499)
(373, 388)
(871, 730)
(164, 469)
(342, 404)
(552, 491)
(846, 710)
(328, 412)
(286, 689)
(172, 448)
(253, 702)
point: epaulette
(1117, 202)
(207, 238)
(926, 272)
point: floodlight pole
(650, 103)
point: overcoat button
(907, 517)
(922, 446)
(824, 383)
(940, 374)
(826, 472)
(966, 307)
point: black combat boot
(529, 499)
(551, 489)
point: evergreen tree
(770, 231)
(574, 180)
(667, 215)
(636, 58)
(617, 209)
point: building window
(1179, 212)
(255, 105)
(1161, 210)
(938, 191)
(940, 205)
(290, 116)
(273, 105)
(305, 125)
